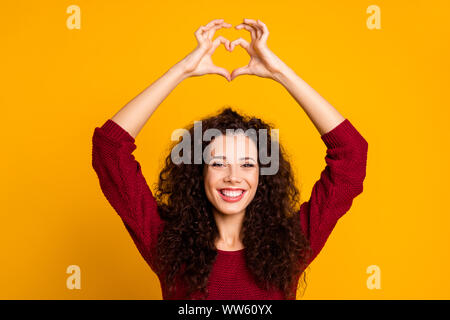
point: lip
(231, 199)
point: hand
(199, 62)
(263, 62)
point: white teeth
(231, 193)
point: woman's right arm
(124, 186)
(119, 173)
(133, 116)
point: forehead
(232, 146)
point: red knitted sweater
(125, 188)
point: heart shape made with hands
(243, 70)
(261, 58)
(229, 47)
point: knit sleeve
(340, 182)
(124, 186)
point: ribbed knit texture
(125, 188)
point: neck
(229, 226)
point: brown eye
(215, 164)
(248, 165)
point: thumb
(221, 71)
(239, 71)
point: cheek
(210, 182)
(253, 179)
(209, 190)
(207, 185)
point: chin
(229, 211)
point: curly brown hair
(276, 249)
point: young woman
(220, 229)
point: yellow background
(58, 84)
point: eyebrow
(224, 157)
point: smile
(231, 195)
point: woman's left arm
(264, 63)
(323, 115)
(342, 179)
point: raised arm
(264, 63)
(133, 116)
(342, 179)
(339, 184)
(119, 173)
(124, 186)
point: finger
(212, 22)
(241, 42)
(239, 72)
(255, 25)
(221, 71)
(199, 33)
(249, 28)
(213, 29)
(265, 31)
(205, 29)
(220, 40)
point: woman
(221, 229)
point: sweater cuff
(343, 134)
(115, 132)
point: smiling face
(231, 176)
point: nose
(233, 174)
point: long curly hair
(276, 249)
